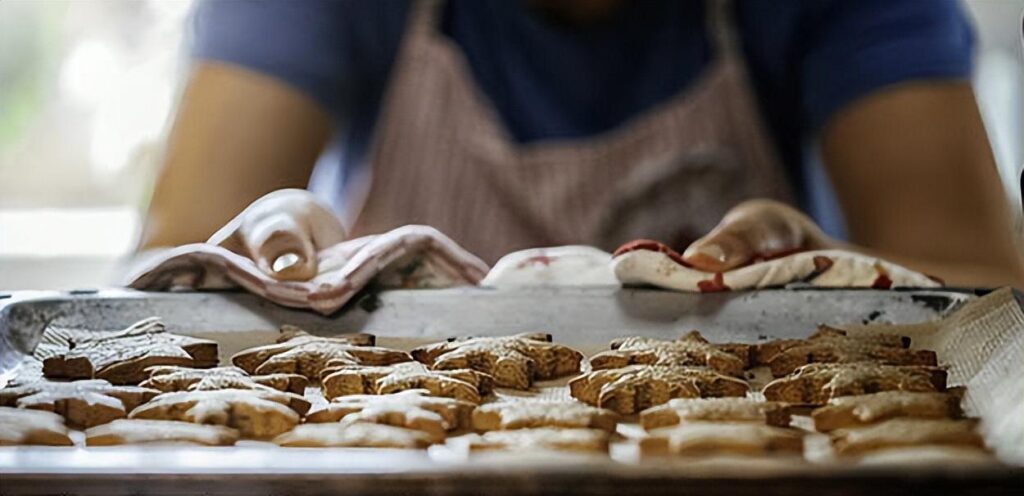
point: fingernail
(712, 251)
(286, 261)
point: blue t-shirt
(807, 59)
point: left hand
(756, 228)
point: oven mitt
(407, 257)
(651, 262)
(558, 266)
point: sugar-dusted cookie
(462, 384)
(531, 414)
(762, 354)
(83, 404)
(817, 383)
(634, 388)
(21, 426)
(853, 411)
(257, 414)
(127, 431)
(733, 438)
(829, 345)
(353, 435)
(168, 378)
(537, 439)
(120, 357)
(412, 409)
(513, 361)
(687, 410)
(901, 432)
(297, 352)
(930, 456)
(689, 350)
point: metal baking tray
(585, 318)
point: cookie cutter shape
(297, 352)
(762, 354)
(463, 384)
(688, 410)
(83, 404)
(905, 432)
(128, 431)
(514, 361)
(169, 378)
(411, 409)
(829, 345)
(691, 350)
(353, 435)
(721, 438)
(536, 440)
(257, 414)
(860, 410)
(34, 427)
(817, 383)
(120, 357)
(534, 414)
(634, 388)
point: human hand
(282, 232)
(755, 229)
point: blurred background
(87, 88)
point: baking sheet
(982, 339)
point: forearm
(237, 136)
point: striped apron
(441, 157)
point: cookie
(689, 350)
(83, 404)
(834, 346)
(462, 384)
(126, 431)
(538, 439)
(687, 410)
(721, 438)
(762, 354)
(21, 426)
(169, 378)
(532, 414)
(307, 355)
(859, 410)
(903, 432)
(411, 409)
(257, 414)
(929, 456)
(634, 388)
(120, 357)
(817, 383)
(514, 361)
(353, 435)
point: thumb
(281, 247)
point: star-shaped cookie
(689, 350)
(514, 361)
(257, 414)
(905, 432)
(21, 426)
(353, 435)
(411, 409)
(300, 353)
(535, 440)
(134, 431)
(817, 383)
(860, 410)
(83, 404)
(168, 378)
(712, 438)
(628, 390)
(688, 410)
(829, 345)
(120, 357)
(532, 414)
(464, 384)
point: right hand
(282, 232)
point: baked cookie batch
(872, 396)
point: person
(510, 124)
